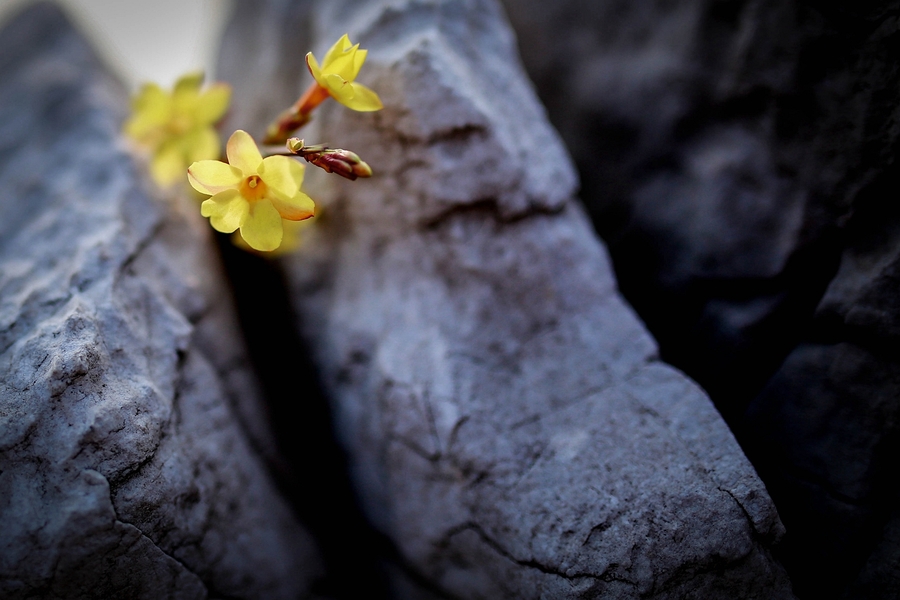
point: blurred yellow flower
(177, 127)
(251, 193)
(337, 74)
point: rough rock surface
(721, 144)
(728, 152)
(509, 424)
(124, 469)
(826, 429)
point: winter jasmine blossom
(177, 127)
(334, 78)
(339, 69)
(251, 193)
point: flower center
(180, 124)
(253, 188)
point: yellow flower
(294, 237)
(251, 193)
(337, 73)
(335, 78)
(178, 127)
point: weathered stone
(721, 145)
(125, 471)
(728, 151)
(509, 424)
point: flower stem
(296, 116)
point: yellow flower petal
(262, 228)
(188, 84)
(336, 50)
(213, 176)
(212, 104)
(313, 65)
(243, 153)
(176, 128)
(226, 210)
(152, 108)
(167, 165)
(360, 98)
(339, 89)
(284, 176)
(151, 97)
(281, 175)
(297, 208)
(186, 95)
(343, 61)
(358, 59)
(343, 64)
(200, 144)
(292, 237)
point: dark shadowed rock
(717, 159)
(509, 425)
(728, 151)
(125, 471)
(826, 429)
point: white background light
(146, 41)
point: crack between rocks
(277, 359)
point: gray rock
(510, 427)
(826, 428)
(728, 151)
(125, 470)
(721, 146)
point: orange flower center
(253, 188)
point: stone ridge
(124, 471)
(509, 424)
(739, 158)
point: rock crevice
(484, 370)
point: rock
(721, 145)
(509, 425)
(125, 468)
(728, 152)
(826, 428)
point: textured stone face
(509, 424)
(740, 160)
(721, 146)
(125, 471)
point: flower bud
(345, 163)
